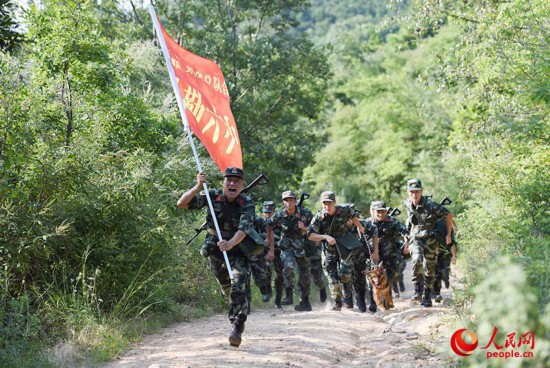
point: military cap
(414, 184)
(378, 206)
(328, 196)
(234, 171)
(268, 206)
(288, 194)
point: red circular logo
(460, 346)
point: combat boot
(348, 300)
(337, 305)
(417, 292)
(304, 305)
(426, 298)
(288, 300)
(372, 303)
(323, 295)
(267, 294)
(395, 288)
(360, 301)
(236, 333)
(278, 296)
(401, 286)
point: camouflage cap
(288, 194)
(268, 206)
(414, 184)
(378, 206)
(234, 171)
(328, 196)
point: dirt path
(407, 336)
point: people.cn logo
(460, 346)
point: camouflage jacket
(231, 217)
(390, 230)
(289, 224)
(422, 219)
(335, 225)
(260, 224)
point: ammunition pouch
(348, 245)
(253, 244)
(310, 248)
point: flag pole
(183, 114)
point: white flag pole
(183, 114)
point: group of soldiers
(336, 240)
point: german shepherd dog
(381, 289)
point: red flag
(206, 98)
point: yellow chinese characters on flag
(206, 98)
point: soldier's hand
(453, 260)
(270, 256)
(374, 257)
(330, 240)
(301, 226)
(224, 245)
(406, 249)
(201, 178)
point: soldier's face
(267, 215)
(415, 196)
(381, 215)
(329, 207)
(232, 187)
(289, 203)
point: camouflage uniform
(423, 244)
(360, 262)
(389, 232)
(291, 244)
(316, 269)
(260, 223)
(335, 226)
(443, 265)
(231, 217)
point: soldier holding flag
(234, 213)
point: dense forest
(355, 97)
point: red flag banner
(206, 98)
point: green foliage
(277, 79)
(10, 36)
(389, 127)
(504, 279)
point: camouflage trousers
(402, 264)
(233, 290)
(278, 268)
(335, 271)
(316, 269)
(260, 272)
(390, 259)
(292, 262)
(442, 268)
(423, 259)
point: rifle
(394, 211)
(445, 201)
(260, 180)
(303, 197)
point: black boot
(337, 305)
(417, 292)
(267, 292)
(372, 303)
(401, 286)
(347, 299)
(236, 332)
(304, 305)
(323, 295)
(288, 300)
(278, 296)
(360, 301)
(426, 298)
